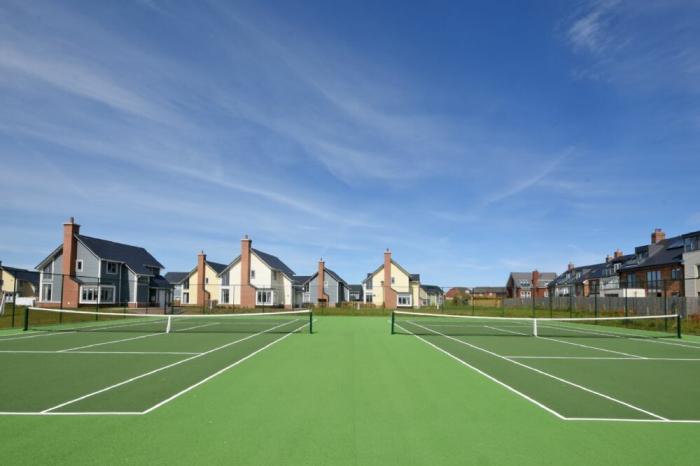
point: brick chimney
(322, 296)
(535, 281)
(657, 236)
(70, 290)
(201, 277)
(390, 297)
(618, 254)
(247, 290)
(571, 266)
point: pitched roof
(335, 276)
(414, 277)
(273, 262)
(545, 278)
(454, 291)
(432, 289)
(300, 280)
(665, 252)
(218, 268)
(355, 288)
(135, 257)
(489, 289)
(176, 277)
(159, 282)
(22, 274)
(580, 274)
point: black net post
(311, 322)
(595, 302)
(393, 319)
(678, 325)
(26, 318)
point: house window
(107, 294)
(653, 279)
(676, 274)
(186, 285)
(369, 297)
(88, 294)
(112, 268)
(252, 274)
(405, 300)
(546, 293)
(616, 266)
(274, 274)
(368, 284)
(525, 294)
(307, 297)
(690, 244)
(524, 283)
(46, 292)
(393, 280)
(185, 298)
(224, 296)
(264, 297)
(79, 265)
(48, 268)
(206, 280)
(631, 281)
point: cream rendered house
(201, 286)
(391, 286)
(256, 279)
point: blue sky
(471, 138)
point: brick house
(657, 268)
(527, 285)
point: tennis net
(654, 326)
(65, 320)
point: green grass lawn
(348, 394)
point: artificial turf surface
(348, 394)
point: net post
(534, 327)
(311, 322)
(169, 324)
(26, 318)
(678, 325)
(393, 319)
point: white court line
(160, 369)
(85, 413)
(219, 372)
(93, 352)
(131, 338)
(490, 377)
(50, 333)
(609, 419)
(581, 345)
(594, 358)
(546, 374)
(626, 337)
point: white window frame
(185, 297)
(369, 298)
(79, 265)
(97, 289)
(269, 302)
(404, 296)
(43, 294)
(116, 268)
(228, 296)
(274, 275)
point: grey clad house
(176, 280)
(325, 288)
(86, 271)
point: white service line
(581, 345)
(219, 372)
(160, 369)
(596, 358)
(490, 377)
(546, 374)
(85, 413)
(627, 337)
(131, 338)
(661, 421)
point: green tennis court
(350, 393)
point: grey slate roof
(545, 277)
(136, 258)
(159, 282)
(23, 274)
(175, 278)
(273, 262)
(218, 268)
(432, 289)
(300, 280)
(355, 288)
(587, 272)
(665, 252)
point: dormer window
(690, 244)
(79, 265)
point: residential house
(691, 263)
(431, 295)
(529, 284)
(657, 268)
(176, 280)
(579, 281)
(391, 286)
(201, 286)
(18, 283)
(457, 292)
(356, 293)
(85, 271)
(325, 288)
(256, 278)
